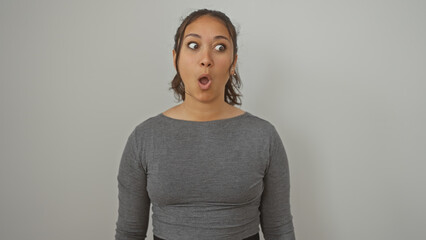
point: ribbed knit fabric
(211, 180)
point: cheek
(224, 64)
(183, 64)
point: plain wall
(342, 81)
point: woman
(210, 170)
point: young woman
(210, 169)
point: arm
(134, 202)
(275, 216)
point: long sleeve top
(209, 180)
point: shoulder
(259, 123)
(257, 128)
(151, 122)
(146, 128)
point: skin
(206, 48)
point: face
(206, 48)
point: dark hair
(233, 84)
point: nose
(206, 59)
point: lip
(206, 76)
(205, 86)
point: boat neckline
(205, 122)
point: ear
(234, 64)
(235, 61)
(174, 59)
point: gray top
(209, 180)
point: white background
(342, 81)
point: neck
(204, 111)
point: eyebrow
(198, 36)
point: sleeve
(134, 202)
(275, 216)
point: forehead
(207, 26)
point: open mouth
(204, 80)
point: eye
(193, 45)
(220, 47)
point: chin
(206, 97)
